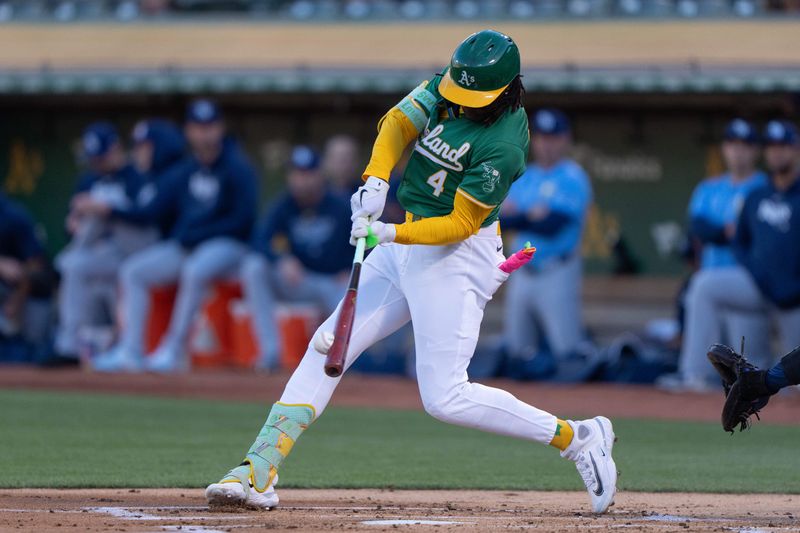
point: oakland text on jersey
(435, 146)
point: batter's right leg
(381, 310)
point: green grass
(89, 440)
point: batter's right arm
(399, 127)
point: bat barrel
(334, 362)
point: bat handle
(361, 247)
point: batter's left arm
(465, 220)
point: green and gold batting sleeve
(492, 171)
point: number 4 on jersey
(437, 182)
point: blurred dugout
(647, 106)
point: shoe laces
(586, 471)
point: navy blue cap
(739, 129)
(142, 132)
(203, 111)
(98, 138)
(550, 121)
(304, 158)
(780, 132)
(151, 129)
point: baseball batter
(438, 270)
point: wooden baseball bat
(334, 362)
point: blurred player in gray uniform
(213, 193)
(547, 206)
(301, 251)
(765, 245)
(90, 263)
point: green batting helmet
(481, 68)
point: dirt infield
(372, 510)
(400, 393)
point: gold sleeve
(395, 131)
(464, 221)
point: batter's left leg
(446, 317)
(447, 288)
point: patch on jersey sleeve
(418, 105)
(491, 177)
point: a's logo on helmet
(466, 79)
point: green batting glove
(372, 239)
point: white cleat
(231, 493)
(591, 450)
(166, 361)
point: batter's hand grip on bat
(335, 360)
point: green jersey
(457, 153)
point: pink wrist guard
(519, 259)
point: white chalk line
(143, 513)
(412, 522)
(197, 529)
(136, 513)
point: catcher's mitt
(746, 391)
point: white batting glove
(369, 199)
(322, 341)
(380, 232)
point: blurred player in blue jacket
(90, 263)
(767, 279)
(547, 206)
(713, 215)
(158, 147)
(213, 192)
(301, 251)
(22, 261)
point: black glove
(746, 391)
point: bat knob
(333, 371)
